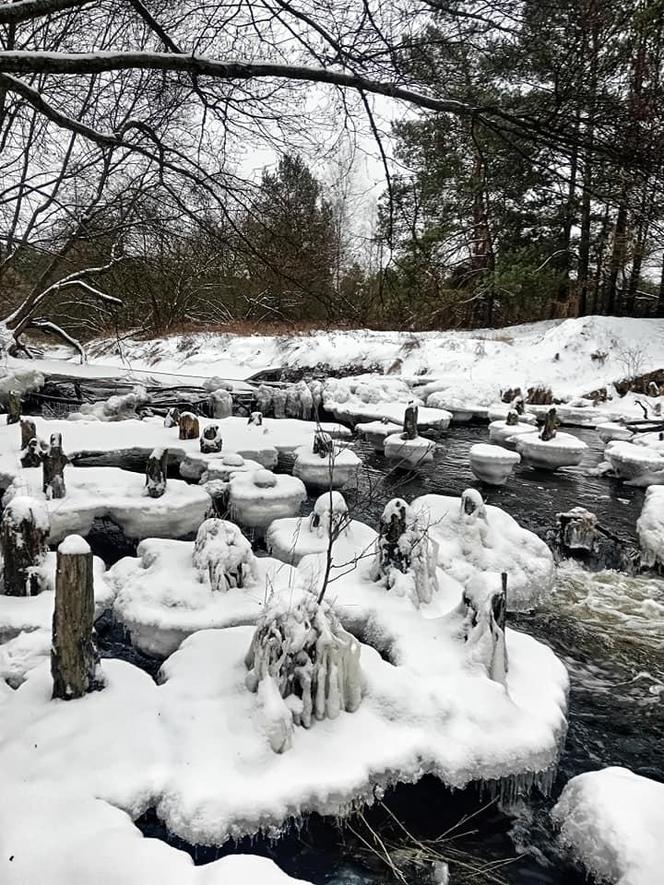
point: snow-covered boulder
(258, 497)
(334, 468)
(476, 537)
(564, 450)
(492, 464)
(171, 589)
(612, 821)
(119, 495)
(636, 464)
(291, 539)
(410, 452)
(650, 528)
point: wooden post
(550, 426)
(23, 536)
(323, 444)
(410, 422)
(74, 657)
(189, 428)
(155, 473)
(28, 432)
(33, 454)
(172, 418)
(13, 407)
(54, 463)
(211, 440)
(512, 418)
(256, 418)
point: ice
(612, 430)
(461, 409)
(612, 821)
(20, 376)
(476, 537)
(412, 452)
(375, 432)
(650, 528)
(95, 492)
(492, 464)
(637, 464)
(564, 450)
(217, 466)
(370, 398)
(335, 469)
(115, 408)
(291, 539)
(257, 497)
(504, 434)
(166, 593)
(74, 545)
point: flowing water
(607, 627)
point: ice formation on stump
(406, 556)
(24, 533)
(303, 666)
(577, 530)
(485, 603)
(407, 447)
(279, 402)
(325, 465)
(211, 440)
(155, 473)
(650, 528)
(117, 408)
(221, 403)
(330, 515)
(223, 554)
(33, 449)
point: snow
(375, 432)
(504, 434)
(257, 497)
(336, 469)
(564, 450)
(409, 451)
(162, 597)
(612, 821)
(119, 495)
(217, 466)
(492, 464)
(637, 464)
(488, 540)
(74, 545)
(650, 528)
(610, 430)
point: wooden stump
(28, 432)
(392, 526)
(23, 536)
(33, 453)
(155, 473)
(499, 603)
(550, 426)
(172, 418)
(256, 418)
(189, 428)
(54, 463)
(410, 422)
(13, 407)
(74, 657)
(211, 440)
(323, 444)
(512, 418)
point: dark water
(614, 653)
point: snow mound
(257, 497)
(613, 821)
(476, 537)
(650, 528)
(636, 464)
(564, 450)
(492, 464)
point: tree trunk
(659, 310)
(155, 473)
(189, 428)
(23, 536)
(54, 463)
(617, 260)
(13, 407)
(410, 422)
(74, 657)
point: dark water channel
(608, 631)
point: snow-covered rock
(165, 593)
(321, 470)
(476, 537)
(492, 464)
(612, 821)
(257, 497)
(291, 539)
(411, 452)
(650, 528)
(564, 450)
(119, 495)
(636, 464)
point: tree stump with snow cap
(54, 462)
(256, 418)
(74, 658)
(211, 440)
(484, 624)
(13, 407)
(410, 422)
(303, 666)
(220, 403)
(512, 418)
(519, 405)
(550, 427)
(24, 539)
(323, 444)
(28, 432)
(189, 427)
(172, 418)
(33, 454)
(156, 471)
(223, 553)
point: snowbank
(650, 528)
(613, 822)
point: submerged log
(13, 407)
(211, 440)
(23, 536)
(155, 473)
(74, 658)
(410, 422)
(54, 462)
(189, 428)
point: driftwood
(410, 422)
(155, 473)
(54, 462)
(74, 658)
(189, 428)
(23, 536)
(211, 440)
(13, 407)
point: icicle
(223, 553)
